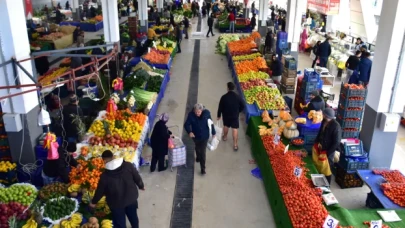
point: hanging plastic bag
(213, 144)
(53, 151)
(214, 141)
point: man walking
(365, 69)
(210, 24)
(231, 19)
(324, 52)
(119, 183)
(352, 64)
(186, 26)
(179, 37)
(229, 108)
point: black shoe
(152, 171)
(163, 169)
(203, 172)
(179, 52)
(197, 160)
(208, 36)
(186, 38)
(213, 34)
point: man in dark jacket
(268, 43)
(365, 69)
(197, 128)
(352, 64)
(208, 7)
(179, 37)
(210, 24)
(276, 69)
(317, 103)
(253, 22)
(324, 52)
(69, 111)
(229, 108)
(315, 50)
(119, 183)
(186, 26)
(159, 143)
(328, 138)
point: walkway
(228, 196)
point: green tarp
(346, 217)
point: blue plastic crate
(350, 134)
(347, 123)
(309, 128)
(282, 35)
(311, 86)
(345, 102)
(353, 92)
(291, 64)
(311, 76)
(352, 164)
(349, 113)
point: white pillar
(159, 4)
(296, 8)
(74, 5)
(111, 21)
(143, 14)
(14, 43)
(262, 17)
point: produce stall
(60, 40)
(297, 203)
(242, 25)
(91, 27)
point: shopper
(276, 69)
(67, 5)
(365, 69)
(324, 52)
(179, 37)
(359, 44)
(352, 64)
(229, 108)
(76, 33)
(253, 7)
(316, 103)
(269, 42)
(186, 26)
(273, 15)
(315, 50)
(119, 183)
(151, 37)
(197, 128)
(210, 24)
(160, 143)
(326, 143)
(55, 168)
(231, 19)
(304, 37)
(69, 112)
(253, 22)
(283, 22)
(208, 7)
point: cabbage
(223, 40)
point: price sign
(148, 49)
(297, 171)
(376, 224)
(286, 148)
(276, 139)
(330, 222)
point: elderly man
(317, 103)
(197, 128)
(326, 143)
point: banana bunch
(74, 188)
(73, 222)
(30, 223)
(106, 223)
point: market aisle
(228, 196)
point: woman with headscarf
(268, 44)
(160, 143)
(304, 37)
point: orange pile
(250, 65)
(157, 58)
(88, 173)
(138, 117)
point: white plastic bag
(213, 144)
(312, 55)
(214, 141)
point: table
(346, 217)
(88, 27)
(373, 182)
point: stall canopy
(326, 7)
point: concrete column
(390, 36)
(295, 10)
(159, 4)
(143, 15)
(14, 43)
(111, 21)
(262, 17)
(75, 10)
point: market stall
(242, 25)
(61, 39)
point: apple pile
(112, 140)
(10, 209)
(252, 83)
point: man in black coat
(229, 108)
(119, 183)
(324, 52)
(276, 69)
(317, 103)
(159, 143)
(69, 111)
(210, 24)
(328, 138)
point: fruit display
(265, 97)
(315, 116)
(353, 86)
(88, 173)
(11, 209)
(99, 18)
(127, 153)
(252, 76)
(252, 83)
(22, 193)
(113, 140)
(58, 209)
(53, 36)
(297, 141)
(51, 75)
(6, 166)
(250, 65)
(223, 40)
(53, 190)
(155, 57)
(394, 187)
(106, 223)
(246, 57)
(165, 50)
(101, 205)
(74, 221)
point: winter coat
(269, 40)
(276, 68)
(317, 104)
(253, 22)
(365, 69)
(210, 22)
(315, 50)
(329, 138)
(160, 138)
(230, 105)
(324, 49)
(119, 183)
(58, 167)
(199, 125)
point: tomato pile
(394, 188)
(303, 201)
(297, 142)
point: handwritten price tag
(376, 224)
(330, 222)
(286, 148)
(297, 171)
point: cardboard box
(288, 89)
(287, 81)
(289, 73)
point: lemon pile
(6, 166)
(127, 153)
(129, 129)
(161, 48)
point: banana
(106, 223)
(30, 223)
(74, 188)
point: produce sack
(321, 161)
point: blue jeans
(118, 216)
(48, 180)
(232, 26)
(323, 61)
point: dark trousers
(323, 61)
(210, 30)
(160, 160)
(201, 151)
(314, 62)
(118, 216)
(186, 32)
(178, 45)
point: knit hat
(315, 93)
(329, 113)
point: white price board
(330, 222)
(376, 224)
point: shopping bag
(321, 161)
(312, 55)
(213, 144)
(214, 141)
(53, 151)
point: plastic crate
(353, 164)
(346, 103)
(311, 86)
(352, 150)
(311, 76)
(8, 178)
(350, 134)
(353, 92)
(345, 123)
(291, 64)
(349, 113)
(308, 128)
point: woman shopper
(276, 69)
(197, 128)
(159, 143)
(268, 44)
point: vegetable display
(136, 79)
(223, 40)
(394, 187)
(154, 84)
(155, 57)
(59, 208)
(53, 190)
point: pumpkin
(288, 124)
(316, 116)
(281, 123)
(291, 125)
(290, 133)
(284, 115)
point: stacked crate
(310, 82)
(289, 74)
(351, 110)
(282, 43)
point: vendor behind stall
(69, 111)
(317, 103)
(57, 169)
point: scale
(322, 71)
(319, 180)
